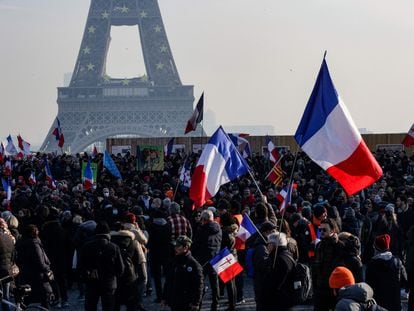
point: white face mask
(106, 194)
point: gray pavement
(248, 305)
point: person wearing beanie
(386, 275)
(341, 277)
(328, 256)
(100, 264)
(276, 291)
(351, 295)
(184, 280)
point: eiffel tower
(96, 106)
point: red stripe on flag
(231, 272)
(357, 172)
(198, 191)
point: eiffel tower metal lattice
(95, 106)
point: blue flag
(110, 165)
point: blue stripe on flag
(223, 253)
(322, 101)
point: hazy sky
(256, 60)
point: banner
(150, 157)
(94, 167)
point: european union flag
(110, 165)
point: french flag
(185, 173)
(219, 163)
(330, 138)
(286, 195)
(49, 177)
(409, 138)
(88, 176)
(226, 265)
(246, 230)
(274, 155)
(32, 178)
(168, 148)
(10, 148)
(57, 132)
(197, 116)
(240, 141)
(23, 145)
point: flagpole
(277, 163)
(258, 231)
(283, 213)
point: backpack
(301, 282)
(127, 252)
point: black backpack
(301, 282)
(127, 252)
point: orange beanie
(341, 277)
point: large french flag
(226, 265)
(330, 138)
(219, 163)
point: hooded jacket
(354, 297)
(207, 242)
(386, 275)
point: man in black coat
(386, 275)
(207, 244)
(184, 279)
(100, 263)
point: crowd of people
(125, 239)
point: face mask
(115, 211)
(106, 194)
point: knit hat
(341, 277)
(382, 242)
(130, 218)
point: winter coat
(34, 268)
(7, 254)
(279, 282)
(129, 252)
(351, 258)
(328, 256)
(301, 234)
(207, 242)
(183, 282)
(56, 245)
(141, 240)
(386, 275)
(262, 268)
(159, 241)
(100, 262)
(354, 297)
